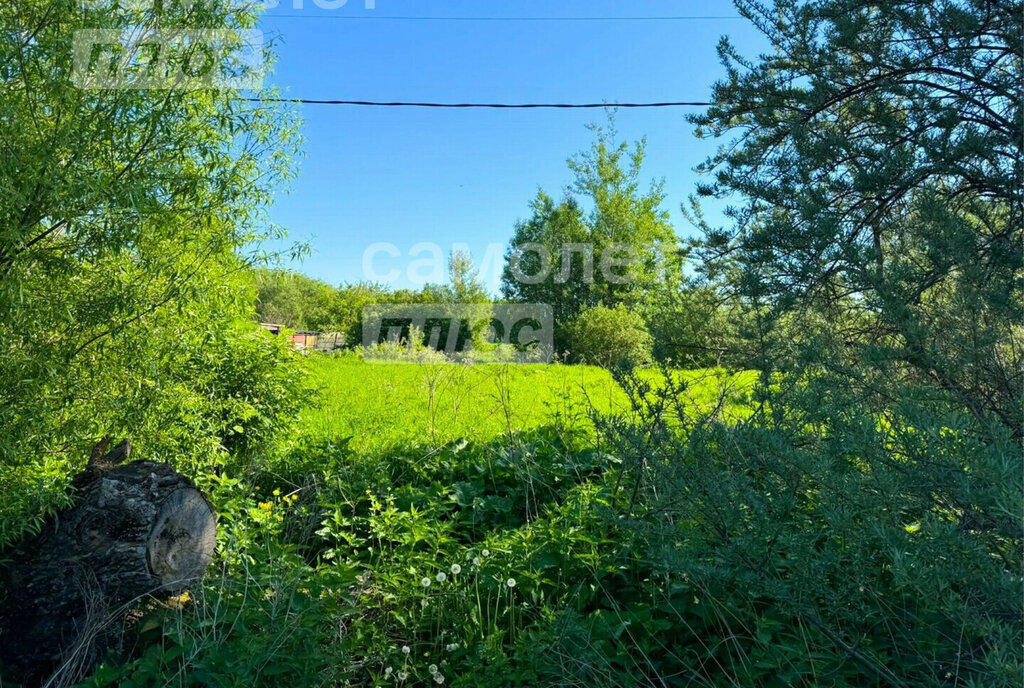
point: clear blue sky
(406, 176)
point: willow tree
(128, 209)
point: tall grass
(387, 405)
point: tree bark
(135, 531)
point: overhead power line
(494, 106)
(374, 17)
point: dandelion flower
(277, 493)
(511, 582)
(456, 569)
(441, 577)
(425, 582)
(406, 649)
(432, 669)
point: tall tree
(878, 153)
(618, 252)
(127, 216)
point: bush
(822, 547)
(610, 337)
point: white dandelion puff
(511, 582)
(388, 671)
(456, 569)
(432, 669)
(438, 679)
(441, 577)
(476, 561)
(402, 675)
(406, 649)
(486, 553)
(425, 582)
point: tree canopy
(874, 161)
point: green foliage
(611, 337)
(298, 302)
(831, 546)
(624, 220)
(876, 152)
(867, 516)
(241, 391)
(853, 519)
(324, 549)
(126, 217)
(263, 618)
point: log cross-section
(135, 531)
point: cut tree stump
(135, 531)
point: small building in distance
(302, 339)
(272, 328)
(305, 339)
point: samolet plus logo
(151, 52)
(168, 59)
(524, 331)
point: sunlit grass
(382, 405)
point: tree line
(614, 275)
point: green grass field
(384, 405)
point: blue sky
(406, 176)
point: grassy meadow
(385, 405)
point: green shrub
(609, 337)
(828, 545)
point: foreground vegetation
(560, 552)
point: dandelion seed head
(456, 569)
(486, 553)
(476, 561)
(511, 582)
(432, 669)
(441, 577)
(406, 649)
(425, 582)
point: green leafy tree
(292, 299)
(618, 252)
(128, 219)
(693, 325)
